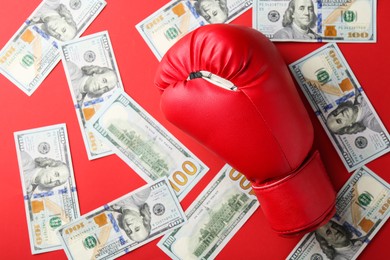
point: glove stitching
(288, 177)
(329, 209)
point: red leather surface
(306, 196)
(261, 129)
(106, 179)
(250, 128)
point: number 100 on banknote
(145, 145)
(316, 20)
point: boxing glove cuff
(301, 201)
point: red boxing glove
(229, 88)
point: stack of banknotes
(111, 122)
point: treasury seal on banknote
(89, 56)
(75, 4)
(273, 16)
(44, 147)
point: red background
(103, 180)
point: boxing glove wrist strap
(300, 202)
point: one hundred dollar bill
(49, 188)
(362, 208)
(177, 18)
(123, 224)
(145, 145)
(33, 52)
(316, 20)
(213, 218)
(92, 75)
(342, 106)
